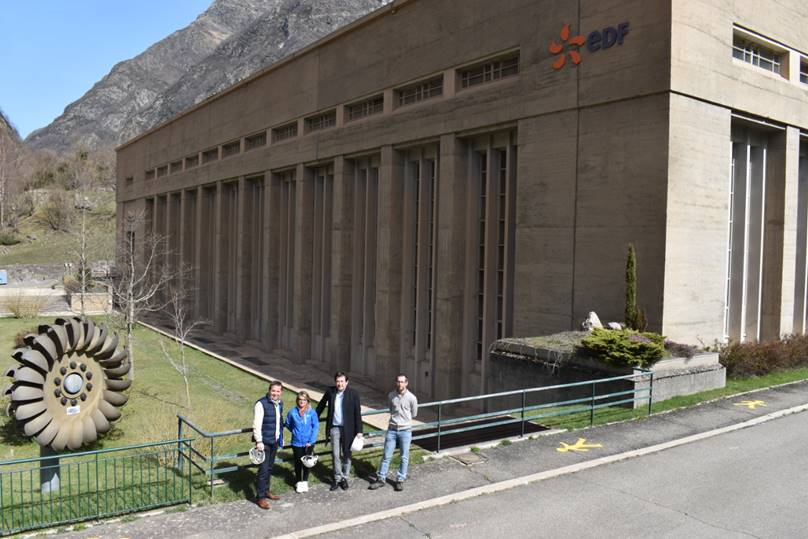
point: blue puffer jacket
(304, 429)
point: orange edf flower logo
(558, 48)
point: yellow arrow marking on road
(579, 446)
(751, 404)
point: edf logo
(595, 41)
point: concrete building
(440, 174)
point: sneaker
(344, 484)
(299, 486)
(334, 486)
(378, 483)
(304, 486)
(399, 486)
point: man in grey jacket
(403, 407)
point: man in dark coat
(343, 424)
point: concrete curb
(532, 478)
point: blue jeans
(403, 438)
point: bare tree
(179, 312)
(10, 154)
(141, 277)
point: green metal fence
(93, 484)
(451, 416)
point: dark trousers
(265, 470)
(301, 472)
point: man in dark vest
(343, 423)
(268, 435)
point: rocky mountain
(228, 42)
(7, 129)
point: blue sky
(53, 51)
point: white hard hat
(309, 460)
(256, 456)
(358, 443)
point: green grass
(51, 247)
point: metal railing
(446, 422)
(92, 485)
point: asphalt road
(747, 483)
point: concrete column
(780, 240)
(219, 316)
(451, 376)
(197, 254)
(271, 226)
(387, 343)
(304, 199)
(242, 299)
(341, 264)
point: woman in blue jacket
(304, 425)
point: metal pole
(210, 457)
(48, 470)
(592, 407)
(440, 409)
(179, 444)
(650, 393)
(523, 414)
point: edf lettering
(603, 39)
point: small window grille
(255, 141)
(175, 167)
(490, 71)
(420, 91)
(284, 132)
(162, 171)
(755, 54)
(321, 121)
(231, 148)
(150, 174)
(191, 161)
(365, 108)
(210, 155)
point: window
(365, 108)
(175, 167)
(755, 53)
(321, 121)
(284, 132)
(255, 141)
(130, 180)
(191, 161)
(162, 171)
(231, 148)
(210, 155)
(420, 91)
(150, 174)
(804, 71)
(493, 167)
(490, 70)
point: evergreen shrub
(624, 348)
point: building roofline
(390, 8)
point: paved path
(449, 476)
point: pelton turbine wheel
(68, 385)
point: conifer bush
(624, 348)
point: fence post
(650, 392)
(210, 460)
(523, 413)
(592, 407)
(190, 475)
(440, 409)
(97, 490)
(179, 443)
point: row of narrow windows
(502, 66)
(767, 54)
(261, 237)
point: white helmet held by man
(358, 443)
(309, 460)
(256, 456)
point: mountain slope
(230, 41)
(96, 119)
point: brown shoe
(273, 497)
(263, 503)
